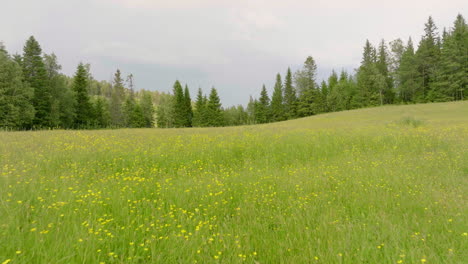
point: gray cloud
(235, 46)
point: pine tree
(179, 106)
(36, 75)
(200, 110)
(386, 93)
(116, 101)
(307, 88)
(451, 82)
(188, 107)
(427, 57)
(290, 98)
(277, 107)
(16, 110)
(83, 107)
(263, 108)
(214, 111)
(370, 81)
(408, 75)
(332, 94)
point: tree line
(35, 95)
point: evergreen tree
(83, 107)
(277, 107)
(214, 111)
(307, 87)
(451, 80)
(427, 57)
(116, 101)
(147, 108)
(371, 82)
(63, 101)
(386, 92)
(36, 75)
(408, 75)
(188, 107)
(16, 110)
(290, 98)
(332, 94)
(129, 110)
(200, 110)
(179, 106)
(251, 111)
(263, 108)
(101, 115)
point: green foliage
(165, 112)
(16, 110)
(36, 75)
(263, 111)
(435, 72)
(277, 106)
(179, 106)
(188, 107)
(290, 97)
(116, 101)
(199, 115)
(147, 108)
(101, 114)
(427, 57)
(235, 116)
(305, 80)
(213, 110)
(83, 107)
(408, 75)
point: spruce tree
(36, 75)
(83, 107)
(179, 106)
(263, 108)
(427, 58)
(371, 82)
(451, 82)
(290, 98)
(386, 93)
(277, 107)
(306, 84)
(116, 100)
(408, 75)
(200, 110)
(214, 111)
(188, 107)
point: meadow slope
(377, 185)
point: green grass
(377, 185)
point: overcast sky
(235, 46)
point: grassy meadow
(376, 185)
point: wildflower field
(377, 185)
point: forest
(34, 94)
